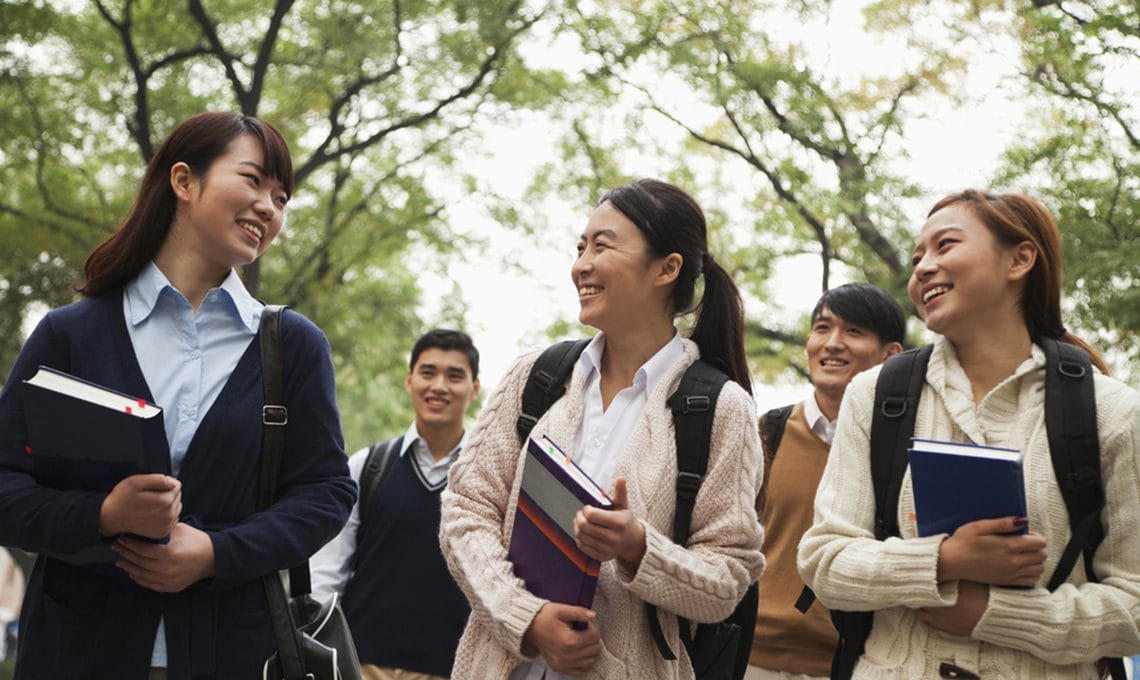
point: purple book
(543, 550)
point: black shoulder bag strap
(547, 382)
(377, 464)
(274, 416)
(897, 391)
(694, 406)
(1074, 446)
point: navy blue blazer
(78, 623)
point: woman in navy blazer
(165, 317)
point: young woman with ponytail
(987, 279)
(639, 260)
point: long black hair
(672, 222)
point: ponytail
(719, 328)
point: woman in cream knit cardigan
(987, 278)
(639, 258)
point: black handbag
(313, 639)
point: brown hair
(198, 141)
(1013, 219)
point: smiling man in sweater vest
(405, 611)
(853, 327)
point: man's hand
(963, 616)
(985, 552)
(606, 534)
(567, 650)
(147, 505)
(168, 567)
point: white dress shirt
(330, 568)
(603, 432)
(819, 424)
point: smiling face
(441, 386)
(963, 279)
(229, 215)
(837, 351)
(619, 283)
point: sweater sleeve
(704, 579)
(37, 518)
(1082, 622)
(473, 509)
(839, 557)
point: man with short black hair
(405, 611)
(853, 327)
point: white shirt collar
(819, 424)
(412, 435)
(650, 373)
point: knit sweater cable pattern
(702, 582)
(1023, 632)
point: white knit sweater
(702, 582)
(1024, 633)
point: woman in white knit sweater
(639, 259)
(987, 279)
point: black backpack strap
(1070, 419)
(771, 433)
(694, 406)
(547, 382)
(376, 466)
(1074, 446)
(897, 391)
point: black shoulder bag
(313, 639)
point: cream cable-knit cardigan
(702, 583)
(1024, 633)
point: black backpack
(1070, 418)
(377, 464)
(771, 432)
(719, 651)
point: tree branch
(1065, 89)
(140, 129)
(323, 155)
(244, 96)
(265, 52)
(777, 184)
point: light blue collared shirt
(186, 358)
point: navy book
(956, 483)
(83, 436)
(543, 550)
